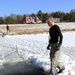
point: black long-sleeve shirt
(55, 34)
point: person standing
(55, 42)
(7, 27)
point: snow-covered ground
(33, 48)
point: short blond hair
(51, 18)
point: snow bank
(33, 48)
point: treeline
(21, 19)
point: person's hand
(58, 47)
(48, 47)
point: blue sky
(8, 7)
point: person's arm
(60, 37)
(49, 44)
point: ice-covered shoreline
(35, 28)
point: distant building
(56, 20)
(33, 20)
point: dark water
(21, 68)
